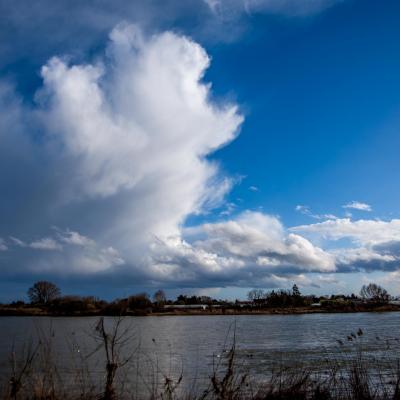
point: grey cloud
(366, 259)
(3, 246)
(66, 253)
(75, 238)
(74, 27)
(45, 244)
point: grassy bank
(29, 310)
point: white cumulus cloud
(357, 205)
(239, 251)
(125, 142)
(374, 244)
(364, 232)
(143, 123)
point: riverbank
(32, 311)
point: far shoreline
(37, 312)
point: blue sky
(323, 106)
(202, 147)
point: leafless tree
(159, 297)
(42, 292)
(375, 293)
(113, 343)
(255, 294)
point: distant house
(244, 303)
(186, 306)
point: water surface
(194, 346)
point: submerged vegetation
(46, 299)
(112, 370)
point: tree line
(371, 293)
(47, 295)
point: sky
(203, 147)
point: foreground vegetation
(350, 373)
(46, 299)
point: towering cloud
(126, 140)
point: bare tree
(42, 292)
(159, 297)
(114, 343)
(255, 294)
(375, 293)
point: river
(157, 347)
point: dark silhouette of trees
(297, 299)
(278, 298)
(117, 307)
(76, 305)
(375, 293)
(139, 301)
(183, 299)
(296, 291)
(43, 292)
